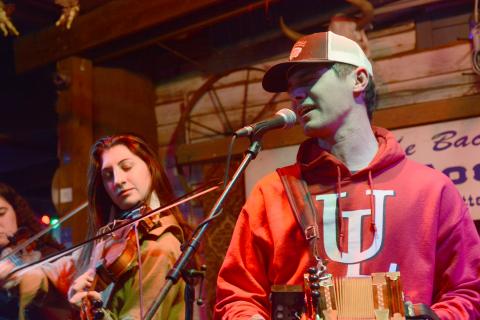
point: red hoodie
(419, 221)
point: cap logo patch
(297, 49)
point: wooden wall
(404, 76)
(123, 103)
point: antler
(6, 25)
(70, 9)
(367, 15)
(289, 32)
(367, 12)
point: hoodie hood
(317, 164)
(321, 168)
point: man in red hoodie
(374, 208)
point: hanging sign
(453, 148)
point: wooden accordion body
(375, 297)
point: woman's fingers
(94, 295)
(5, 268)
(77, 298)
(83, 282)
(7, 280)
(80, 289)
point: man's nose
(298, 94)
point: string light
(54, 223)
(45, 219)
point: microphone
(284, 118)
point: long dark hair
(100, 202)
(27, 220)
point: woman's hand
(80, 289)
(7, 280)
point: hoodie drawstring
(373, 226)
(340, 212)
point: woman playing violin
(123, 174)
(18, 221)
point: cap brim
(275, 79)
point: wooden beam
(75, 114)
(390, 118)
(111, 21)
(176, 33)
(428, 112)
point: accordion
(375, 297)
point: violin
(116, 254)
(27, 255)
(9, 297)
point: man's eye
(3, 211)
(310, 81)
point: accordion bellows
(375, 297)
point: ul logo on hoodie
(355, 255)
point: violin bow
(204, 189)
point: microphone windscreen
(289, 116)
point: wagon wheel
(223, 104)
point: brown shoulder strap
(300, 201)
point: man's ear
(361, 80)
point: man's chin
(316, 131)
(311, 132)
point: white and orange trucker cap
(321, 47)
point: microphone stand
(189, 276)
(192, 246)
